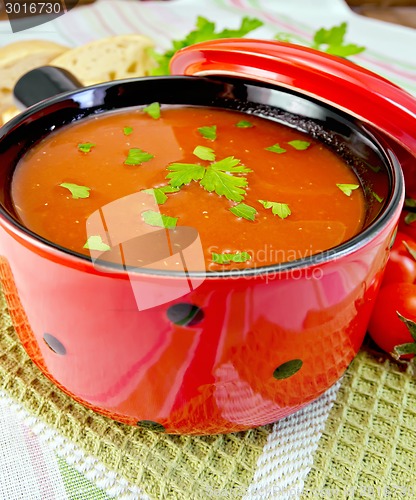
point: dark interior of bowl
(376, 168)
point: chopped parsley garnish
(244, 124)
(96, 243)
(280, 209)
(227, 258)
(204, 153)
(153, 110)
(159, 220)
(347, 189)
(137, 156)
(159, 194)
(299, 145)
(184, 173)
(76, 190)
(85, 147)
(219, 177)
(209, 133)
(374, 168)
(205, 30)
(127, 130)
(276, 149)
(377, 197)
(244, 211)
(332, 41)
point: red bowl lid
(328, 78)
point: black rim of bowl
(353, 244)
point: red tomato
(385, 328)
(401, 266)
(408, 227)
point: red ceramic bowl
(211, 352)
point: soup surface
(255, 192)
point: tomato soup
(256, 192)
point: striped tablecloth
(356, 441)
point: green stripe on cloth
(162, 466)
(368, 447)
(77, 486)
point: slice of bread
(112, 58)
(19, 57)
(8, 114)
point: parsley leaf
(244, 211)
(76, 190)
(219, 178)
(209, 133)
(410, 218)
(327, 40)
(332, 41)
(159, 220)
(280, 209)
(159, 194)
(184, 173)
(127, 130)
(345, 50)
(374, 168)
(331, 36)
(227, 258)
(205, 30)
(153, 110)
(244, 124)
(96, 243)
(85, 147)
(204, 153)
(248, 24)
(377, 197)
(137, 156)
(299, 145)
(231, 165)
(348, 188)
(409, 203)
(275, 149)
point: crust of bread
(111, 58)
(16, 50)
(20, 57)
(8, 114)
(106, 59)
